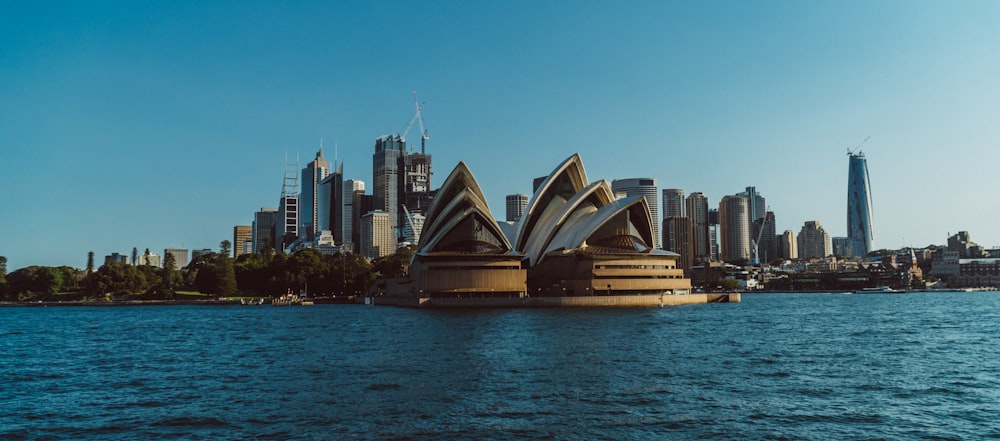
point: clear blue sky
(164, 124)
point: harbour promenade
(645, 300)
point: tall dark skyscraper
(859, 205)
(385, 177)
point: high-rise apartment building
(788, 246)
(673, 203)
(697, 210)
(645, 187)
(677, 232)
(310, 204)
(734, 229)
(859, 205)
(263, 229)
(385, 177)
(377, 237)
(180, 256)
(516, 203)
(344, 232)
(763, 239)
(242, 240)
(813, 241)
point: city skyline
(120, 117)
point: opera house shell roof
(575, 238)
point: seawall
(558, 302)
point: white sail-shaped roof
(562, 184)
(459, 219)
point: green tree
(3, 277)
(225, 248)
(90, 262)
(168, 276)
(117, 278)
(135, 256)
(307, 268)
(394, 265)
(40, 282)
(214, 274)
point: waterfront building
(263, 229)
(180, 256)
(962, 243)
(516, 203)
(242, 240)
(734, 229)
(696, 206)
(310, 204)
(673, 203)
(385, 179)
(859, 206)
(574, 239)
(645, 187)
(377, 237)
(813, 241)
(115, 258)
(579, 239)
(788, 246)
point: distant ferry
(879, 290)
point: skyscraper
(813, 241)
(242, 240)
(859, 205)
(788, 245)
(385, 178)
(331, 203)
(352, 188)
(180, 256)
(734, 229)
(677, 238)
(673, 203)
(645, 187)
(263, 229)
(697, 211)
(516, 203)
(414, 184)
(310, 204)
(377, 238)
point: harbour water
(776, 366)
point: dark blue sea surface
(777, 366)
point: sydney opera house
(576, 245)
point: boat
(879, 290)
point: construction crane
(419, 119)
(857, 148)
(760, 234)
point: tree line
(215, 274)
